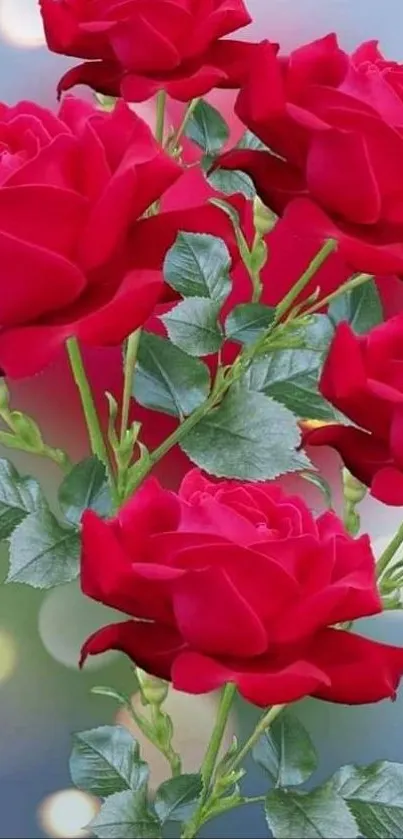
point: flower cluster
(236, 582)
(227, 581)
(224, 269)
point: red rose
(142, 46)
(368, 389)
(236, 582)
(334, 123)
(76, 257)
(71, 188)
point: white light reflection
(21, 23)
(67, 814)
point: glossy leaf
(106, 760)
(286, 751)
(176, 799)
(198, 265)
(321, 814)
(374, 795)
(249, 436)
(291, 377)
(167, 379)
(361, 307)
(207, 128)
(232, 181)
(19, 496)
(85, 487)
(193, 326)
(43, 554)
(250, 141)
(248, 321)
(126, 815)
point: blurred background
(43, 697)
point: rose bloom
(77, 259)
(334, 125)
(368, 389)
(138, 47)
(236, 582)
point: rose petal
(109, 575)
(56, 224)
(213, 616)
(153, 647)
(360, 670)
(340, 176)
(36, 281)
(151, 510)
(102, 76)
(362, 453)
(264, 685)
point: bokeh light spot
(66, 814)
(8, 655)
(21, 23)
(66, 619)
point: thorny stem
(355, 282)
(313, 267)
(210, 759)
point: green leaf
(361, 307)
(248, 321)
(250, 141)
(198, 265)
(321, 814)
(106, 760)
(230, 181)
(167, 379)
(316, 333)
(43, 554)
(193, 326)
(18, 497)
(291, 377)
(207, 128)
(85, 487)
(374, 795)
(249, 437)
(175, 799)
(286, 752)
(126, 815)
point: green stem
(98, 446)
(210, 759)
(314, 266)
(11, 441)
(129, 367)
(240, 365)
(176, 437)
(355, 282)
(186, 117)
(389, 552)
(160, 116)
(262, 726)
